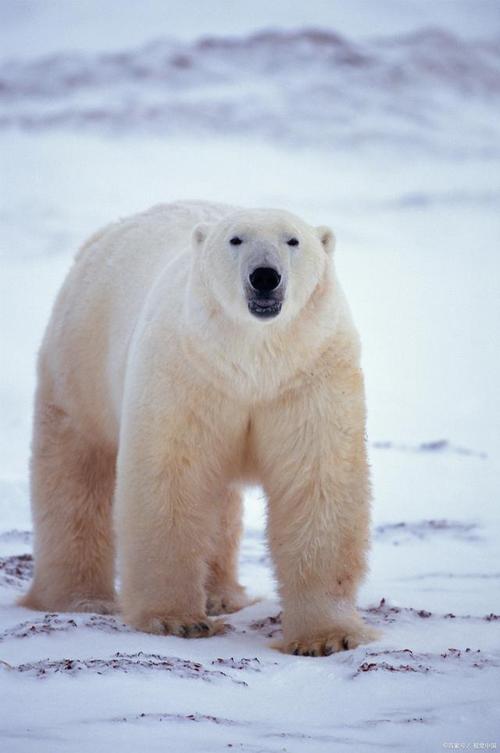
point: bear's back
(87, 340)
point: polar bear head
(262, 265)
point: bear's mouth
(264, 308)
(264, 288)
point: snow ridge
(309, 86)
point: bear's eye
(292, 242)
(235, 241)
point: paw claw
(202, 627)
(228, 601)
(182, 628)
(338, 638)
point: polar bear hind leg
(224, 594)
(72, 487)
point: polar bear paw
(337, 638)
(228, 600)
(97, 606)
(189, 627)
(68, 603)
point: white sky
(34, 27)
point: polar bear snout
(264, 280)
(265, 290)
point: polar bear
(195, 348)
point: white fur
(153, 365)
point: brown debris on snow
(385, 666)
(50, 623)
(424, 662)
(269, 626)
(170, 717)
(389, 613)
(16, 570)
(402, 531)
(126, 663)
(54, 623)
(242, 664)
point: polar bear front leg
(163, 537)
(179, 443)
(311, 449)
(170, 472)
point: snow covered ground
(393, 140)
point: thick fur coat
(192, 349)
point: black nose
(264, 279)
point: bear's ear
(327, 238)
(200, 233)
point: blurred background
(381, 119)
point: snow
(410, 182)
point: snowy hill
(309, 87)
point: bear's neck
(259, 363)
